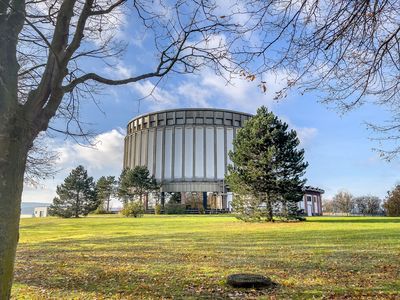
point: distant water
(27, 208)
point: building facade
(40, 212)
(186, 150)
(312, 201)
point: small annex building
(312, 201)
(40, 212)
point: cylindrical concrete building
(185, 149)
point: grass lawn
(189, 257)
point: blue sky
(338, 147)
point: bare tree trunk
(13, 153)
(15, 139)
(77, 205)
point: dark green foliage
(105, 187)
(136, 183)
(133, 209)
(175, 209)
(268, 167)
(76, 196)
(293, 211)
(175, 198)
(392, 203)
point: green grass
(189, 257)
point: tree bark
(77, 205)
(270, 214)
(15, 139)
(13, 153)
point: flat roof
(309, 188)
(189, 109)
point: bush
(202, 211)
(157, 209)
(175, 209)
(133, 209)
(100, 211)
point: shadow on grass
(183, 265)
(352, 219)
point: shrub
(175, 209)
(157, 209)
(133, 209)
(202, 211)
(100, 210)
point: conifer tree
(76, 196)
(267, 166)
(105, 188)
(136, 183)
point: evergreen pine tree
(76, 196)
(136, 183)
(105, 188)
(267, 166)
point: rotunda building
(185, 149)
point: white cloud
(105, 155)
(104, 158)
(237, 94)
(209, 90)
(159, 98)
(120, 70)
(195, 94)
(306, 134)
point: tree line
(266, 176)
(80, 195)
(367, 205)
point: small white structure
(40, 212)
(312, 201)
